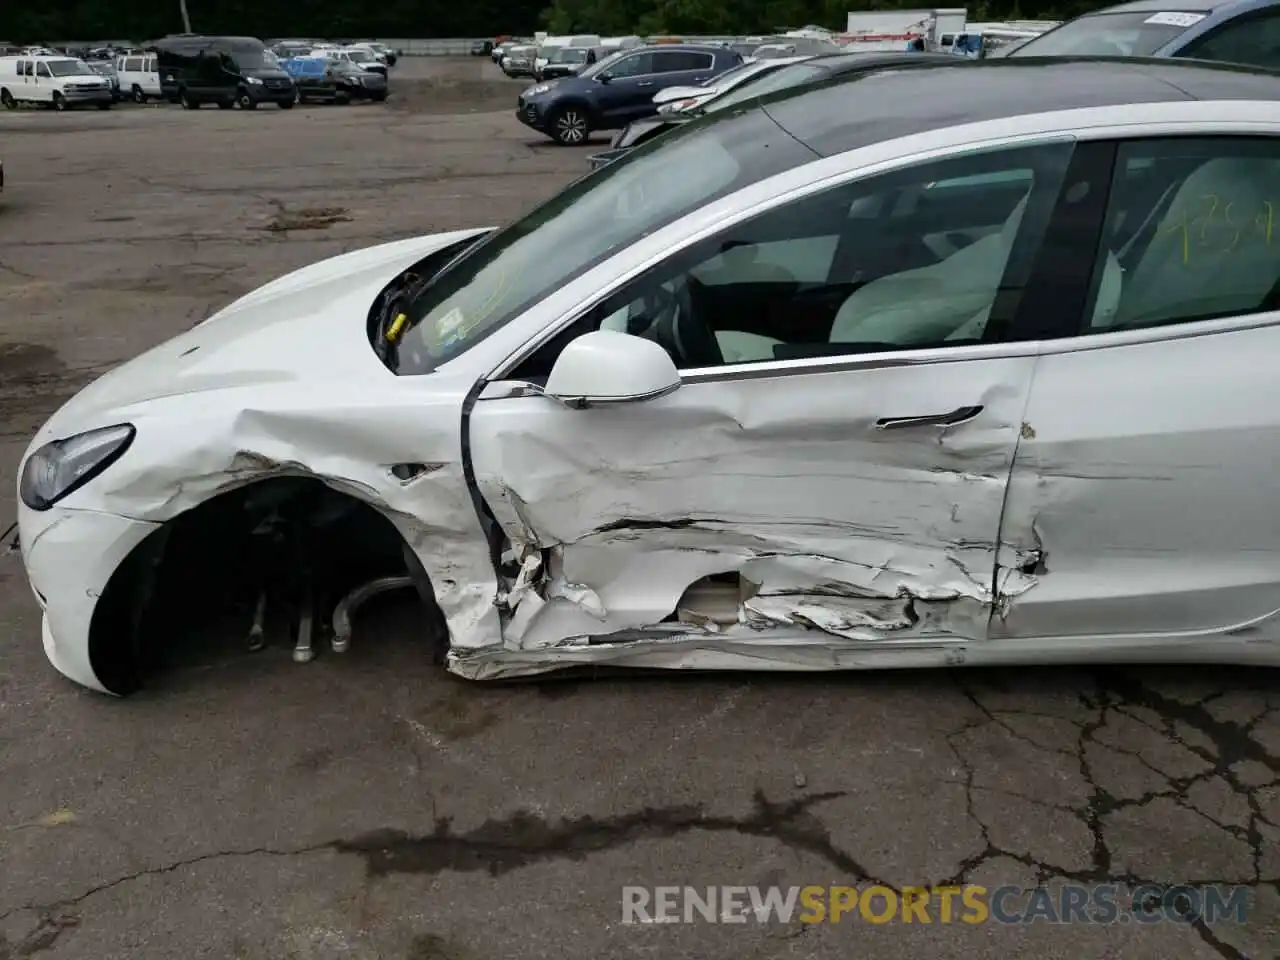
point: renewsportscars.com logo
(970, 904)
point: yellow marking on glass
(1226, 216)
(1207, 219)
(397, 327)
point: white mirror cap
(610, 366)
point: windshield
(361, 56)
(774, 52)
(249, 58)
(569, 55)
(1110, 35)
(69, 68)
(588, 222)
(341, 66)
(770, 81)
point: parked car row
(557, 56)
(194, 70)
(334, 81)
(1245, 32)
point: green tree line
(27, 21)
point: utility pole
(186, 17)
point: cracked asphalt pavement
(368, 806)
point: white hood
(307, 325)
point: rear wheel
(297, 95)
(104, 106)
(286, 104)
(570, 127)
(138, 95)
(59, 101)
(6, 98)
(380, 97)
(188, 101)
(226, 104)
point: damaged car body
(787, 389)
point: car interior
(1189, 237)
(920, 264)
(915, 265)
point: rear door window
(1191, 234)
(676, 61)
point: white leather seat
(933, 303)
(1212, 251)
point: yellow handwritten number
(1214, 227)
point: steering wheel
(684, 330)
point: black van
(222, 70)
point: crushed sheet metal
(847, 533)
(335, 415)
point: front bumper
(74, 96)
(531, 115)
(70, 556)
(271, 93)
(368, 90)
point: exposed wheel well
(195, 582)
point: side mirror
(605, 77)
(606, 367)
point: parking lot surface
(367, 806)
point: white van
(58, 82)
(138, 75)
(589, 41)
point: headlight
(63, 466)
(254, 80)
(540, 88)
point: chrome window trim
(1240, 118)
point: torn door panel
(838, 527)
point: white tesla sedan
(974, 366)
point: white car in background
(695, 412)
(59, 82)
(138, 76)
(675, 99)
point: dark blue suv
(612, 92)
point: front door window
(915, 259)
